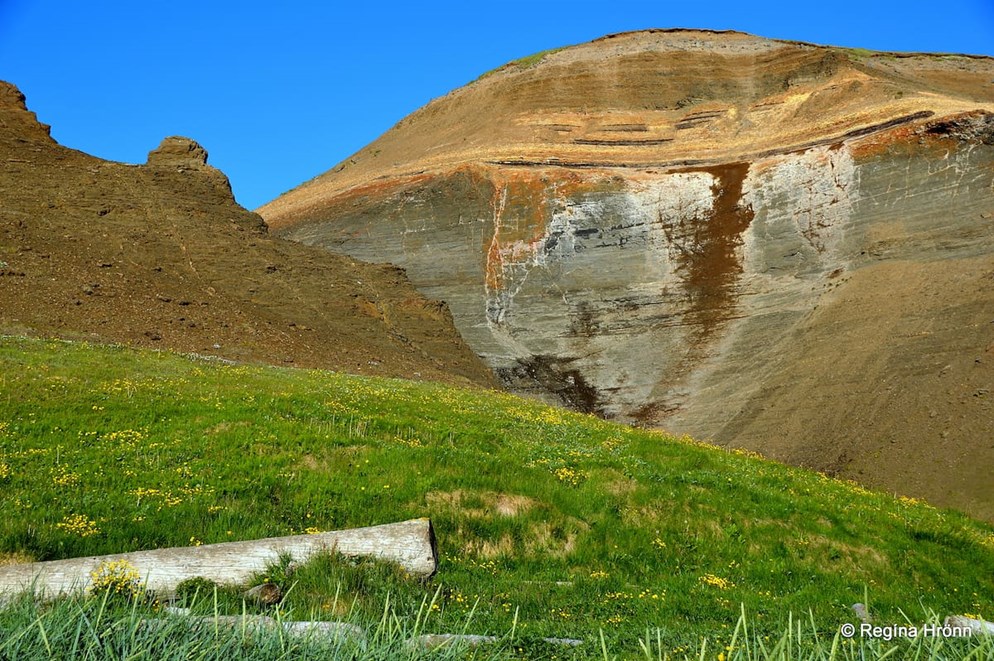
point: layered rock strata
(779, 246)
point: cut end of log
(433, 546)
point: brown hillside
(780, 246)
(160, 255)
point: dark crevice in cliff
(556, 375)
(969, 128)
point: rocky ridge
(161, 255)
(781, 246)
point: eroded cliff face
(793, 254)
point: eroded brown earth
(160, 255)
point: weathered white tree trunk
(411, 544)
(251, 624)
(968, 623)
(434, 641)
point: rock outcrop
(177, 151)
(19, 123)
(780, 246)
(160, 255)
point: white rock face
(811, 194)
(623, 296)
(640, 293)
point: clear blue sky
(278, 95)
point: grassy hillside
(575, 523)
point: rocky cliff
(160, 255)
(780, 246)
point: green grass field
(578, 526)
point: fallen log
(565, 642)
(434, 641)
(261, 624)
(411, 544)
(961, 623)
(325, 630)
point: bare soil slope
(160, 255)
(777, 245)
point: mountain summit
(784, 247)
(656, 98)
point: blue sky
(279, 95)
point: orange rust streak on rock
(495, 261)
(523, 204)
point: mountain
(783, 247)
(160, 255)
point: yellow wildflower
(63, 477)
(77, 524)
(716, 581)
(117, 576)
